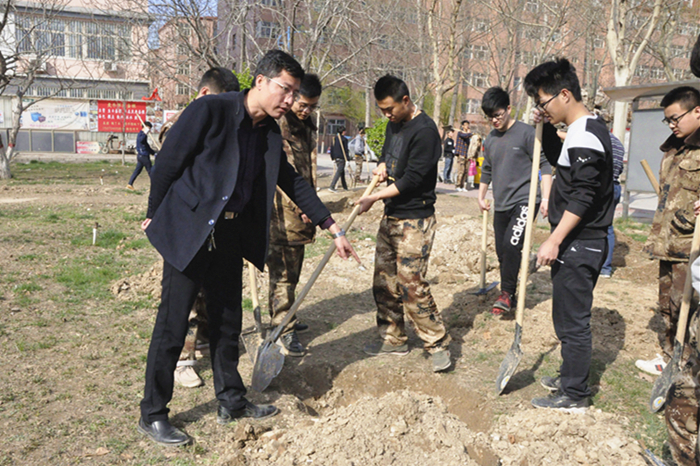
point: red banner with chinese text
(110, 116)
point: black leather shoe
(163, 433)
(225, 415)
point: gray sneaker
(552, 384)
(291, 346)
(379, 347)
(561, 402)
(441, 361)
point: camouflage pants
(462, 165)
(671, 282)
(198, 330)
(358, 170)
(682, 407)
(284, 265)
(400, 288)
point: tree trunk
(436, 106)
(453, 104)
(5, 173)
(620, 120)
(368, 106)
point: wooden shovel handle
(650, 175)
(319, 268)
(253, 285)
(484, 232)
(527, 241)
(688, 288)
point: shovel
(515, 353)
(269, 359)
(483, 289)
(663, 383)
(253, 337)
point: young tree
(631, 25)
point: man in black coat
(209, 207)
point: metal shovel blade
(510, 362)
(663, 383)
(268, 364)
(485, 290)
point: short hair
(695, 58)
(465, 121)
(552, 77)
(274, 62)
(219, 80)
(390, 86)
(494, 99)
(686, 96)
(310, 86)
(341, 129)
(148, 123)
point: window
(93, 94)
(182, 49)
(471, 106)
(266, 29)
(678, 51)
(598, 43)
(77, 93)
(183, 89)
(517, 81)
(271, 3)
(183, 69)
(40, 35)
(102, 41)
(681, 74)
(657, 73)
(334, 125)
(532, 6)
(480, 25)
(478, 79)
(688, 29)
(642, 71)
(477, 52)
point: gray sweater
(508, 164)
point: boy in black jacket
(409, 161)
(580, 212)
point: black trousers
(339, 173)
(142, 161)
(574, 276)
(509, 230)
(219, 271)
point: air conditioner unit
(111, 66)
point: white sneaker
(653, 366)
(187, 377)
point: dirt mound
(400, 428)
(550, 437)
(457, 248)
(143, 284)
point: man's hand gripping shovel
(269, 359)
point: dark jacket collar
(673, 142)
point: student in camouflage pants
(290, 230)
(214, 81)
(409, 161)
(674, 222)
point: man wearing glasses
(508, 165)
(209, 208)
(290, 229)
(580, 212)
(674, 220)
